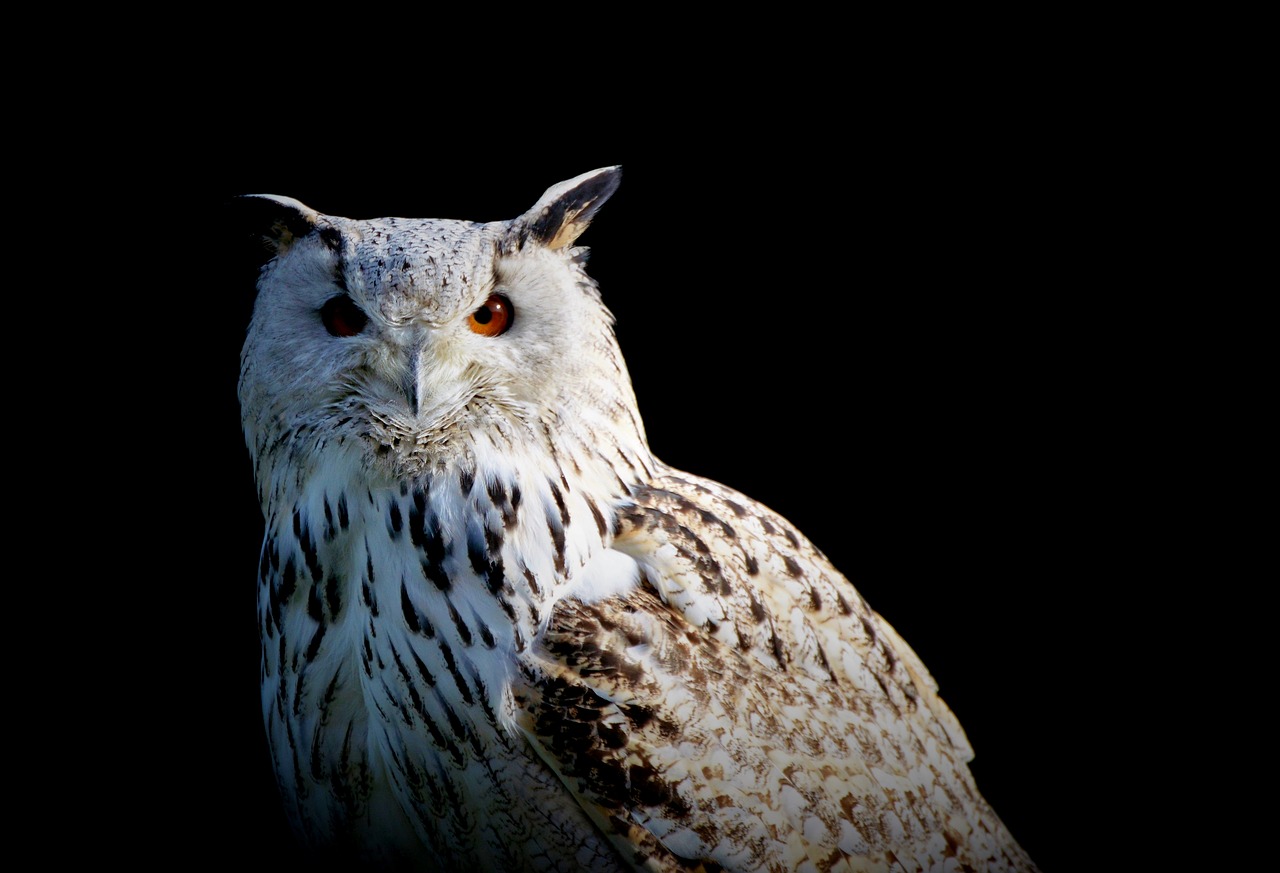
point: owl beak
(418, 350)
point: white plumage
(498, 634)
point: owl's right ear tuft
(275, 222)
(565, 210)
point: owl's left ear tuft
(565, 210)
(276, 222)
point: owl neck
(498, 529)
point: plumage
(499, 634)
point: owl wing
(743, 708)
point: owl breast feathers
(498, 634)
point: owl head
(405, 343)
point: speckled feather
(498, 634)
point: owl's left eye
(342, 317)
(494, 317)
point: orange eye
(494, 317)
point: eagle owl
(499, 634)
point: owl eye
(494, 317)
(342, 317)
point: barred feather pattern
(770, 720)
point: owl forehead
(422, 268)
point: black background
(887, 333)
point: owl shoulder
(743, 574)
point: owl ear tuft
(276, 222)
(566, 209)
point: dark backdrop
(875, 333)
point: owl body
(498, 634)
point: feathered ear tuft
(565, 210)
(276, 222)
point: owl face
(409, 340)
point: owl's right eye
(342, 317)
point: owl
(499, 634)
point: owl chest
(389, 626)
